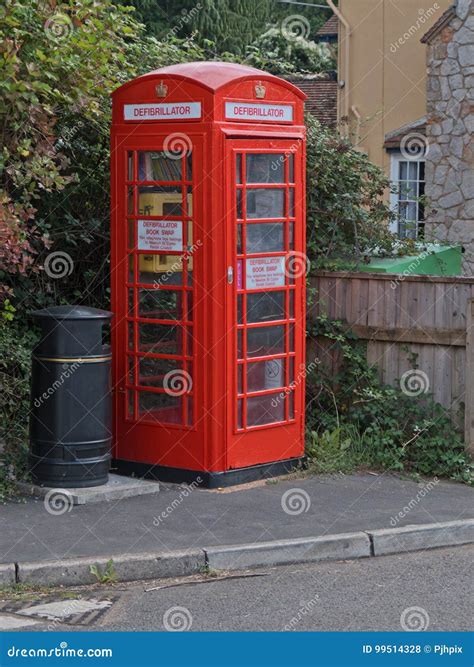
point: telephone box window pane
(159, 304)
(131, 234)
(291, 167)
(291, 203)
(189, 400)
(291, 235)
(265, 168)
(130, 166)
(239, 239)
(266, 203)
(238, 168)
(265, 237)
(130, 205)
(239, 344)
(130, 334)
(131, 304)
(291, 309)
(190, 341)
(160, 407)
(160, 270)
(239, 204)
(240, 385)
(265, 409)
(131, 370)
(263, 341)
(160, 338)
(160, 200)
(239, 309)
(240, 411)
(292, 337)
(152, 372)
(292, 369)
(266, 375)
(130, 403)
(189, 310)
(265, 306)
(291, 405)
(158, 166)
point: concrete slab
(117, 488)
(14, 623)
(282, 552)
(62, 609)
(428, 536)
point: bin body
(70, 423)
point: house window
(408, 178)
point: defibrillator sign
(160, 235)
(265, 272)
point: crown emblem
(161, 89)
(260, 90)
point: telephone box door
(266, 300)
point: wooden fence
(428, 316)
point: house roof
(321, 98)
(435, 29)
(394, 138)
(330, 28)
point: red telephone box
(208, 273)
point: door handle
(230, 275)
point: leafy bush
(347, 217)
(15, 364)
(354, 421)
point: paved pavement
(424, 590)
(177, 518)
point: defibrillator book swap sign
(164, 235)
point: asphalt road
(367, 594)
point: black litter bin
(70, 423)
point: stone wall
(450, 132)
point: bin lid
(72, 313)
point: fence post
(469, 388)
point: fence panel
(429, 318)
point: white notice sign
(264, 272)
(160, 235)
(268, 113)
(168, 111)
